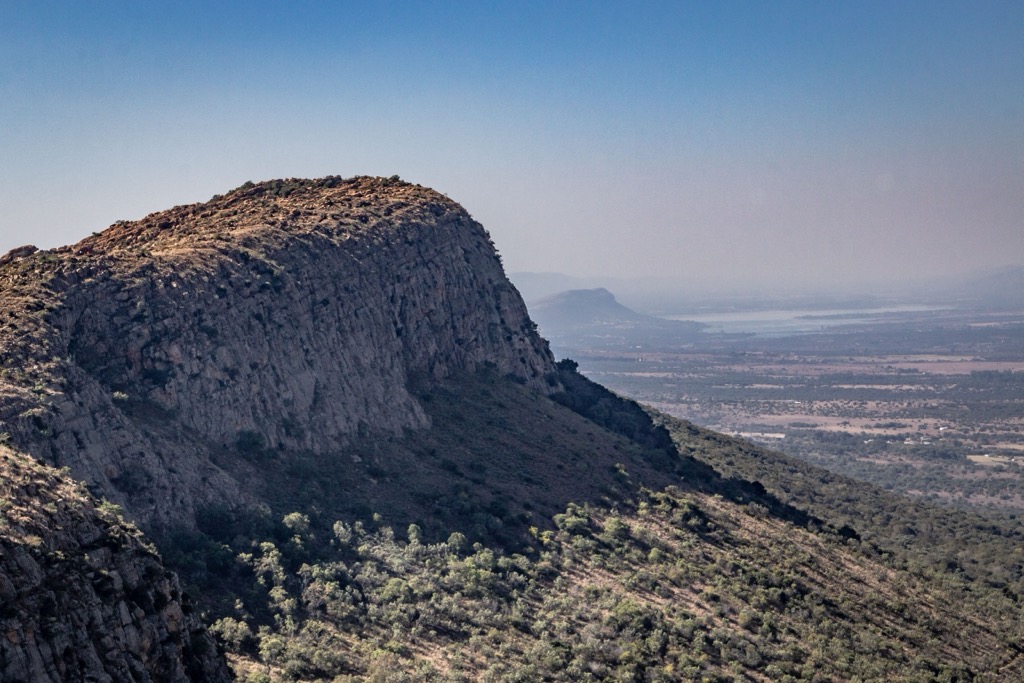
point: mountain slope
(931, 538)
(271, 383)
(82, 596)
(683, 586)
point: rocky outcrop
(290, 315)
(82, 596)
(160, 361)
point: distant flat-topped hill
(587, 307)
(593, 317)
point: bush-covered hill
(988, 551)
(679, 587)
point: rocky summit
(289, 314)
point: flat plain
(928, 402)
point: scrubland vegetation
(753, 566)
(679, 587)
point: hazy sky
(727, 141)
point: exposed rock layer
(289, 315)
(82, 597)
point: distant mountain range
(1002, 288)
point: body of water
(784, 322)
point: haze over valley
(725, 145)
(921, 394)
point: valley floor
(930, 404)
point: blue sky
(818, 143)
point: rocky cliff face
(82, 597)
(288, 315)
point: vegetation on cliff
(709, 578)
(678, 587)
